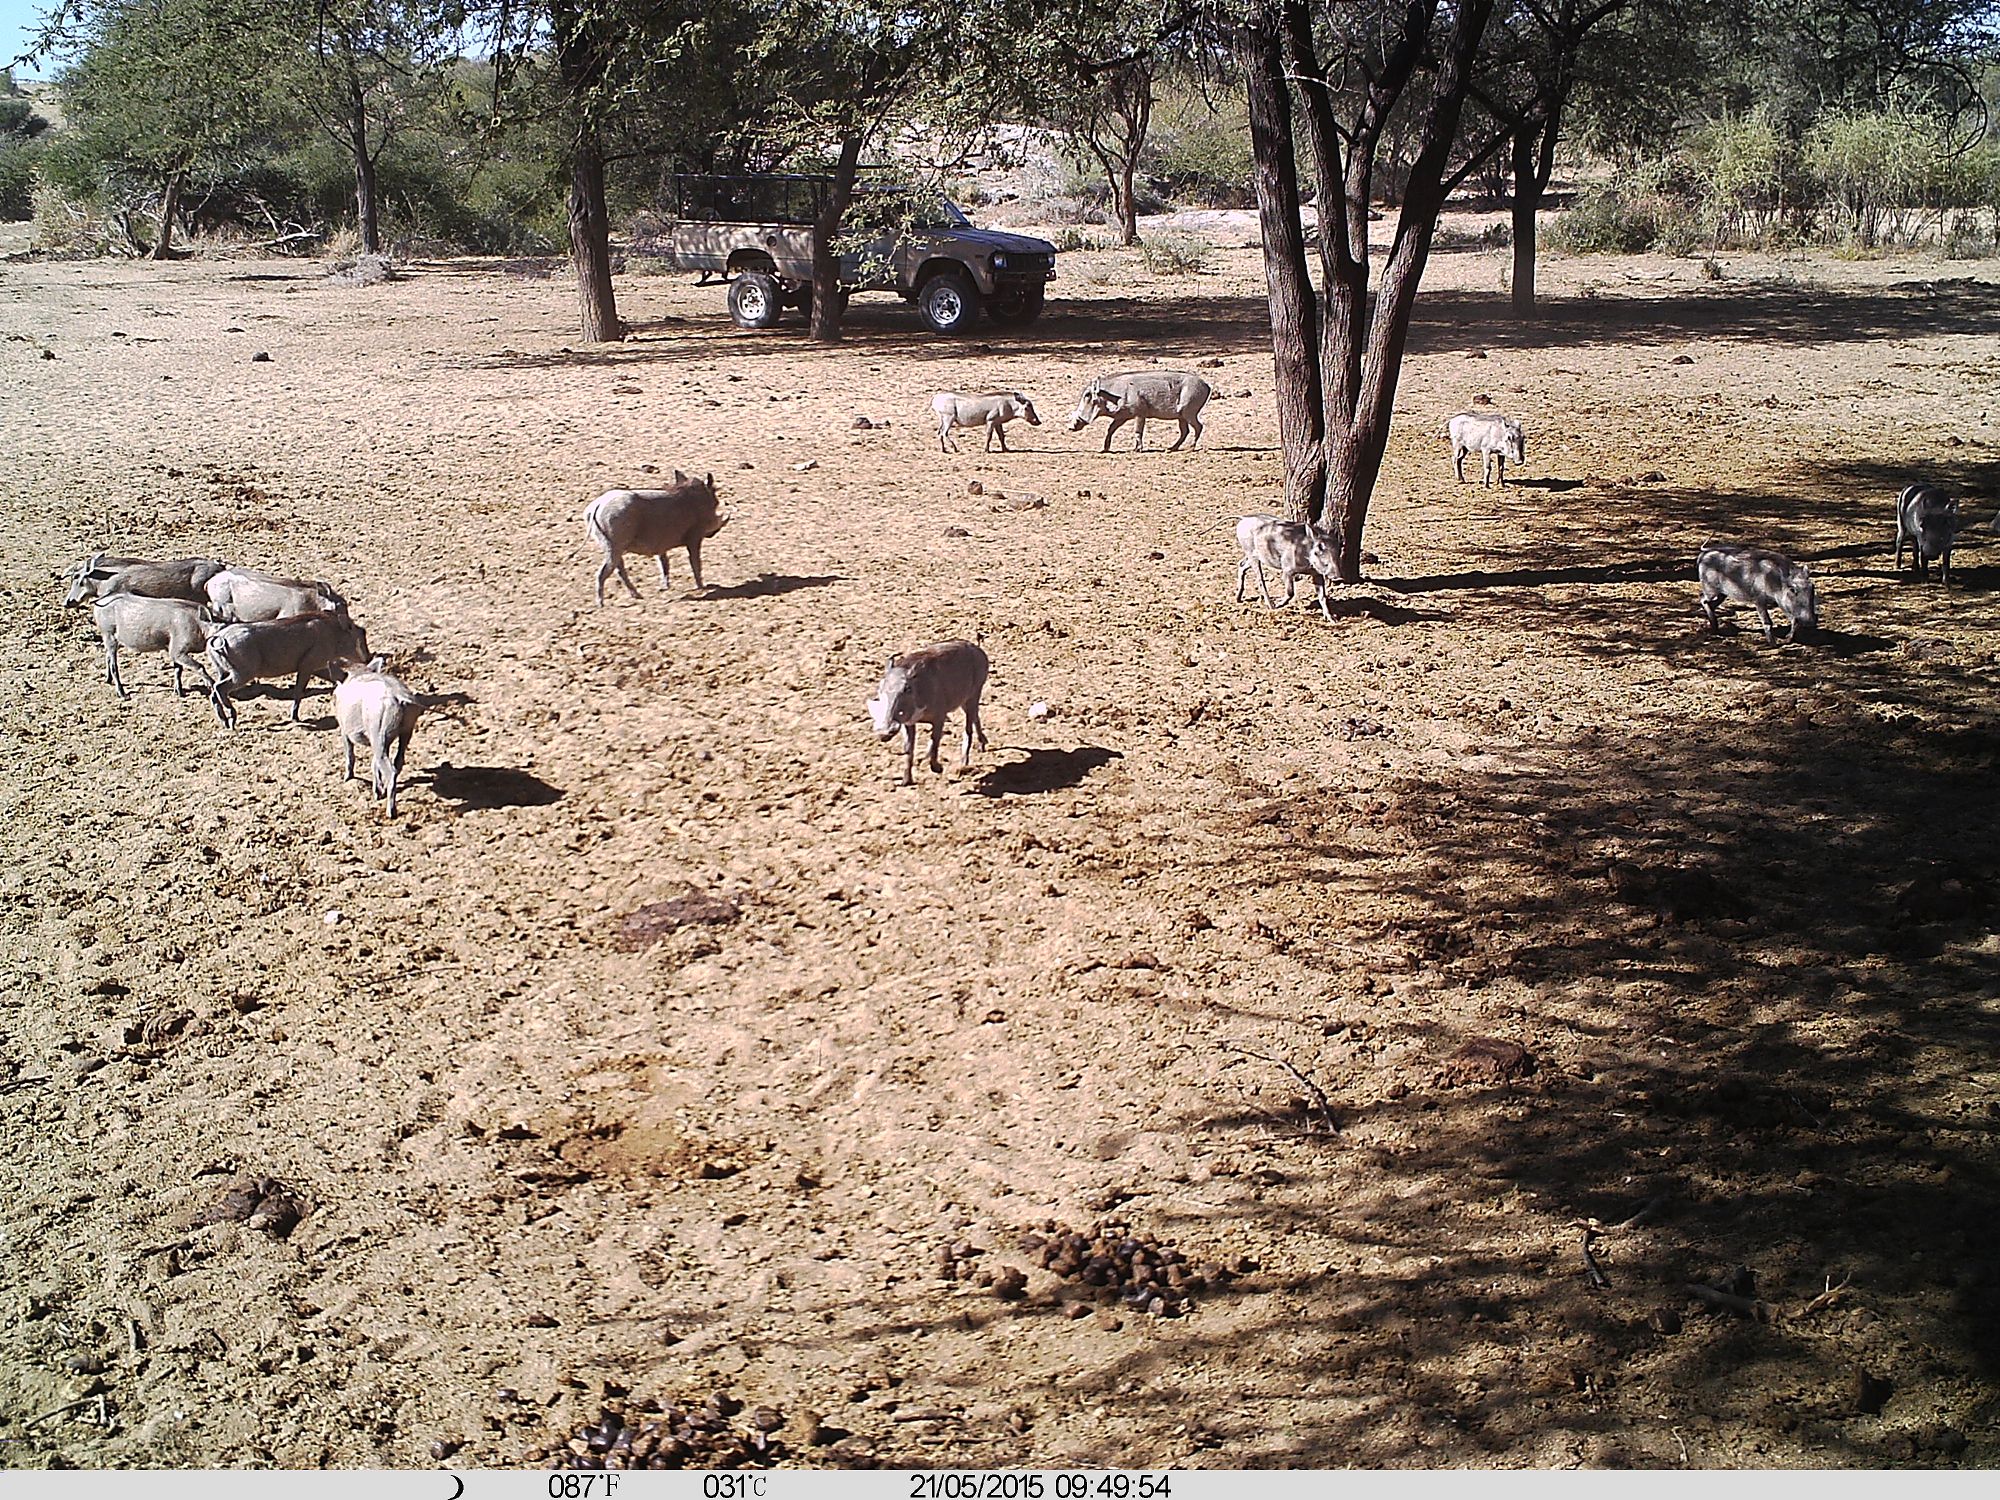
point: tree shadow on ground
(1753, 962)
(1747, 313)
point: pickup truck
(757, 232)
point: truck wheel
(754, 300)
(948, 302)
(1015, 309)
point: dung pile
(1119, 1266)
(644, 1434)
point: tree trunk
(170, 206)
(1357, 359)
(580, 61)
(590, 240)
(1294, 313)
(366, 220)
(1128, 209)
(1527, 200)
(828, 307)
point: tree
(1541, 56)
(1338, 354)
(851, 72)
(362, 72)
(166, 94)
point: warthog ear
(710, 481)
(679, 477)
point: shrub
(66, 225)
(1200, 154)
(17, 177)
(1069, 239)
(1603, 222)
(1175, 254)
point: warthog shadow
(479, 787)
(766, 585)
(1044, 771)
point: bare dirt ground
(1735, 904)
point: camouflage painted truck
(757, 233)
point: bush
(1201, 155)
(17, 177)
(1603, 222)
(71, 226)
(1175, 254)
(1070, 239)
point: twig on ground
(1826, 1298)
(1597, 1277)
(92, 1399)
(1329, 1121)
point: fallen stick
(58, 1411)
(1826, 1298)
(1597, 1277)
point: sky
(19, 22)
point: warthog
(1927, 518)
(102, 574)
(1294, 548)
(653, 522)
(298, 646)
(993, 411)
(924, 687)
(1496, 439)
(379, 711)
(242, 596)
(137, 623)
(1135, 397)
(1762, 580)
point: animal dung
(1111, 1264)
(262, 1203)
(644, 1434)
(1486, 1059)
(646, 926)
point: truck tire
(948, 302)
(1015, 309)
(754, 300)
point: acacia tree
(363, 69)
(852, 74)
(166, 94)
(1338, 353)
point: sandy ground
(1196, 952)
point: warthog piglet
(993, 411)
(923, 687)
(1926, 518)
(1496, 439)
(1294, 548)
